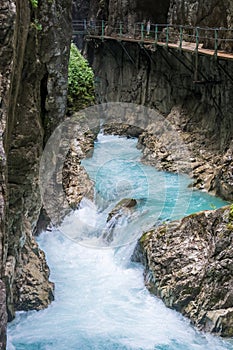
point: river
(100, 299)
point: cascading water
(101, 301)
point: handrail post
(142, 32)
(197, 38)
(216, 43)
(120, 29)
(102, 30)
(196, 56)
(156, 34)
(85, 25)
(181, 37)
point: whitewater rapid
(100, 299)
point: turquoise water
(101, 301)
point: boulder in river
(121, 211)
(122, 208)
(189, 265)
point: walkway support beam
(197, 38)
(181, 37)
(167, 35)
(216, 43)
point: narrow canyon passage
(101, 301)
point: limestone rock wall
(129, 11)
(34, 51)
(7, 18)
(211, 13)
(188, 264)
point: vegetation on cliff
(80, 81)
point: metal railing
(210, 38)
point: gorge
(101, 301)
(34, 52)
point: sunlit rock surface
(189, 265)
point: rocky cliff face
(33, 58)
(188, 264)
(7, 17)
(213, 13)
(130, 11)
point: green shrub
(80, 81)
(34, 3)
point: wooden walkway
(186, 46)
(216, 42)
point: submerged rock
(117, 216)
(121, 129)
(122, 208)
(189, 265)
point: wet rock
(220, 321)
(122, 130)
(124, 207)
(76, 181)
(223, 181)
(33, 289)
(189, 265)
(67, 182)
(121, 211)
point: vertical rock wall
(7, 18)
(34, 54)
(211, 13)
(162, 79)
(129, 11)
